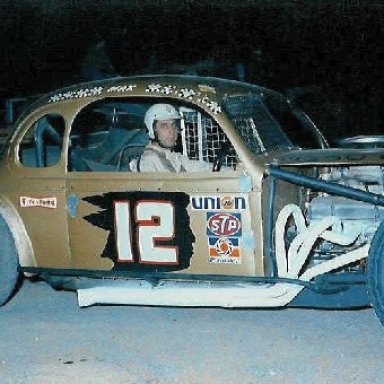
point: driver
(163, 124)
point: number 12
(155, 222)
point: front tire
(375, 273)
(9, 263)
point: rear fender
(16, 225)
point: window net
(203, 139)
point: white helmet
(159, 112)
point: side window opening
(107, 135)
(42, 144)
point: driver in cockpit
(163, 124)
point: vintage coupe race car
(282, 219)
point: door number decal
(154, 223)
(147, 230)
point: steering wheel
(222, 153)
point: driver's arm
(195, 165)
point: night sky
(334, 49)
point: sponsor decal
(212, 105)
(200, 97)
(76, 94)
(148, 231)
(224, 250)
(122, 88)
(223, 224)
(158, 88)
(212, 203)
(43, 202)
(207, 88)
(224, 230)
(188, 93)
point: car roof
(207, 92)
(120, 86)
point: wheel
(9, 263)
(375, 273)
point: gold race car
(280, 219)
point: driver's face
(167, 132)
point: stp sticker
(223, 224)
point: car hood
(330, 156)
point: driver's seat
(107, 156)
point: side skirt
(341, 290)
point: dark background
(330, 51)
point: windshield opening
(267, 123)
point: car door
(195, 222)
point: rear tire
(9, 263)
(375, 273)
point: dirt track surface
(46, 338)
